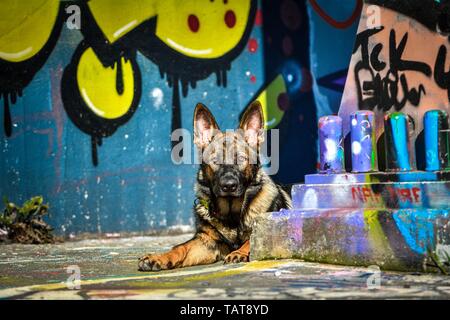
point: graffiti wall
(400, 63)
(333, 30)
(389, 214)
(309, 43)
(92, 90)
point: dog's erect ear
(204, 126)
(252, 123)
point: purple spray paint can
(364, 148)
(330, 143)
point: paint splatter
(259, 18)
(288, 46)
(283, 101)
(291, 15)
(157, 95)
(252, 45)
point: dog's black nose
(228, 185)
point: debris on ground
(26, 224)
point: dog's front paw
(236, 257)
(155, 262)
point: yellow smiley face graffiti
(101, 86)
(25, 27)
(107, 91)
(188, 40)
(197, 28)
(28, 33)
(202, 30)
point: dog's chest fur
(233, 218)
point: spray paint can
(331, 145)
(436, 134)
(363, 141)
(398, 128)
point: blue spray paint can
(435, 123)
(364, 147)
(398, 128)
(444, 145)
(331, 145)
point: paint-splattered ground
(108, 270)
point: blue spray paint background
(136, 187)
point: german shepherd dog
(232, 190)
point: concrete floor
(108, 270)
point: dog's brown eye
(241, 159)
(214, 160)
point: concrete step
(403, 239)
(375, 195)
(347, 177)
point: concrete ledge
(367, 177)
(391, 239)
(374, 195)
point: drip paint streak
(175, 80)
(176, 109)
(7, 116)
(119, 78)
(94, 151)
(95, 141)
(221, 76)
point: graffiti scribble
(384, 92)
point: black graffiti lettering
(362, 41)
(376, 63)
(413, 95)
(391, 90)
(442, 77)
(395, 57)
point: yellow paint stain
(25, 27)
(186, 275)
(264, 264)
(98, 86)
(379, 241)
(269, 102)
(186, 281)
